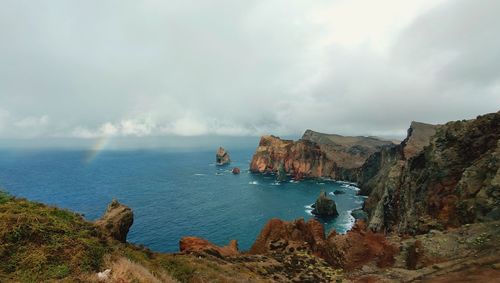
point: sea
(172, 193)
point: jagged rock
(222, 157)
(236, 170)
(438, 181)
(195, 244)
(279, 235)
(358, 247)
(324, 206)
(281, 174)
(117, 220)
(315, 155)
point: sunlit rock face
(315, 155)
(222, 157)
(117, 220)
(301, 158)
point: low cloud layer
(88, 69)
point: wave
(200, 174)
(253, 183)
(308, 209)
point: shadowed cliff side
(436, 181)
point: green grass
(39, 243)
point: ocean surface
(172, 194)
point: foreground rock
(324, 206)
(199, 245)
(117, 220)
(222, 157)
(349, 251)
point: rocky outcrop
(349, 251)
(236, 171)
(315, 155)
(324, 206)
(222, 157)
(281, 236)
(301, 158)
(199, 245)
(359, 247)
(346, 152)
(117, 220)
(453, 180)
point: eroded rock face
(117, 220)
(349, 251)
(280, 236)
(222, 157)
(453, 180)
(199, 245)
(325, 206)
(315, 155)
(358, 247)
(301, 158)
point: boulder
(236, 170)
(325, 206)
(199, 245)
(117, 220)
(222, 157)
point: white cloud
(244, 67)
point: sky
(141, 69)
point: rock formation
(279, 236)
(324, 206)
(199, 245)
(236, 171)
(348, 251)
(117, 220)
(453, 180)
(315, 155)
(222, 157)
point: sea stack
(222, 157)
(325, 206)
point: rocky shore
(432, 215)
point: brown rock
(359, 247)
(236, 170)
(195, 244)
(222, 157)
(117, 220)
(280, 236)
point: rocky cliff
(438, 177)
(315, 155)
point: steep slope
(452, 181)
(315, 155)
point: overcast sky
(87, 69)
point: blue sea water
(173, 194)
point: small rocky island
(222, 157)
(325, 206)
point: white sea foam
(275, 184)
(308, 209)
(253, 183)
(200, 174)
(331, 193)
